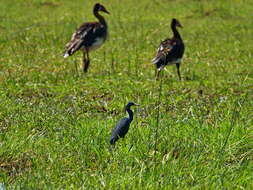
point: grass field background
(55, 122)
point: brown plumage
(170, 51)
(89, 36)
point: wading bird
(122, 126)
(170, 51)
(89, 36)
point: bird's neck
(175, 32)
(100, 18)
(130, 113)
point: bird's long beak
(136, 104)
(104, 10)
(179, 25)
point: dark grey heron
(122, 126)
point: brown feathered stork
(89, 36)
(170, 51)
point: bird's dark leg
(86, 60)
(157, 74)
(178, 71)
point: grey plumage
(123, 125)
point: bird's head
(129, 104)
(176, 23)
(98, 7)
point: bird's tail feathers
(66, 54)
(72, 47)
(112, 141)
(155, 60)
(159, 62)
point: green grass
(55, 122)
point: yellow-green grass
(55, 122)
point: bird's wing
(167, 52)
(164, 44)
(121, 128)
(163, 50)
(84, 35)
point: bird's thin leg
(86, 62)
(157, 74)
(76, 67)
(84, 59)
(178, 71)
